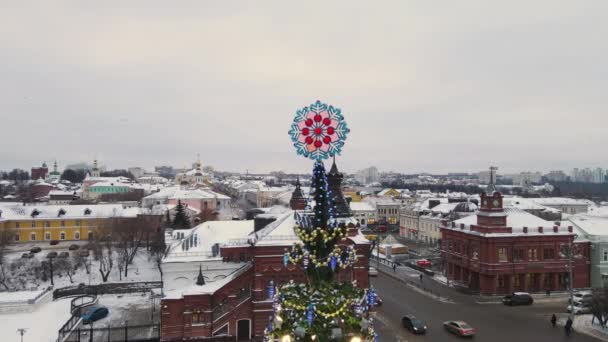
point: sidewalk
(582, 324)
(411, 278)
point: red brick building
(499, 251)
(39, 172)
(233, 300)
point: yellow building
(60, 222)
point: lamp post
(21, 332)
(570, 269)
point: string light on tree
(322, 308)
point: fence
(112, 288)
(124, 333)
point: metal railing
(108, 288)
(122, 333)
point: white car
(582, 297)
(579, 308)
(373, 272)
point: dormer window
(87, 211)
(61, 212)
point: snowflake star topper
(318, 131)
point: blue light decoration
(285, 259)
(305, 259)
(358, 309)
(333, 262)
(270, 289)
(310, 315)
(371, 297)
(318, 131)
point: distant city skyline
(187, 165)
(450, 87)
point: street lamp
(21, 332)
(571, 282)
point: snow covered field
(42, 324)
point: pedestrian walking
(553, 320)
(568, 326)
(548, 292)
(421, 277)
(394, 268)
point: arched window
(76, 235)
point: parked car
(423, 263)
(27, 255)
(584, 297)
(518, 298)
(35, 250)
(373, 272)
(459, 328)
(83, 253)
(64, 255)
(94, 313)
(74, 247)
(54, 242)
(51, 255)
(413, 324)
(579, 308)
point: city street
(494, 322)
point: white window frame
(62, 236)
(33, 235)
(604, 255)
(47, 236)
(76, 235)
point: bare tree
(64, 265)
(4, 279)
(106, 259)
(6, 238)
(158, 250)
(103, 251)
(129, 235)
(206, 215)
(599, 306)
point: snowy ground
(142, 269)
(42, 325)
(136, 308)
(583, 323)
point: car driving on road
(518, 298)
(459, 328)
(413, 324)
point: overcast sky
(425, 86)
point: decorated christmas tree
(322, 308)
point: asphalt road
(494, 322)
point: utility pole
(21, 332)
(570, 253)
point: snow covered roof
(444, 208)
(598, 211)
(200, 240)
(590, 225)
(175, 192)
(361, 206)
(526, 204)
(561, 201)
(17, 211)
(516, 218)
